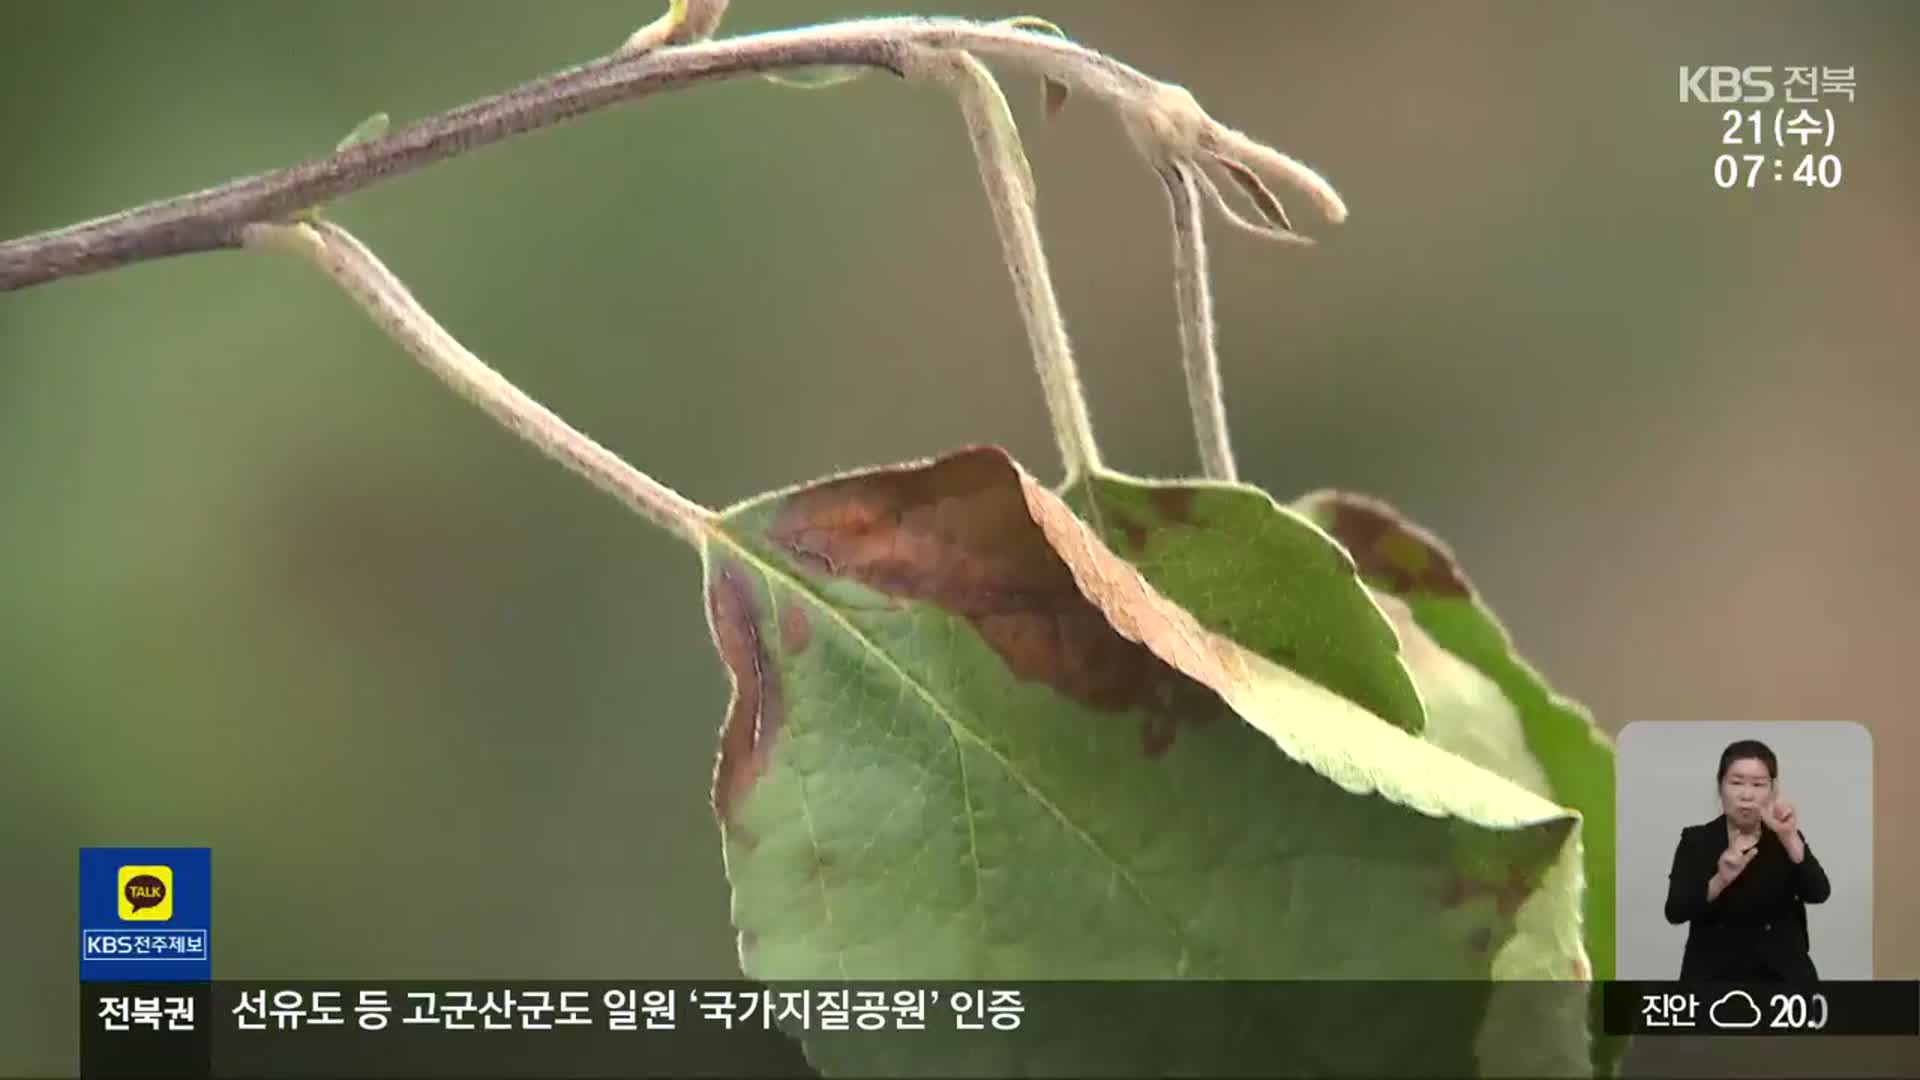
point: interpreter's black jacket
(1757, 927)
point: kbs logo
(146, 893)
(146, 914)
(1727, 85)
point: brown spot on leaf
(1156, 734)
(1514, 893)
(1507, 895)
(1480, 938)
(1392, 552)
(758, 706)
(1177, 703)
(1134, 533)
(961, 533)
(795, 630)
(1174, 503)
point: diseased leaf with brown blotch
(1275, 583)
(1257, 573)
(1497, 710)
(967, 741)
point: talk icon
(146, 893)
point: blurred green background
(442, 710)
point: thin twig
(1193, 298)
(215, 217)
(393, 308)
(1010, 192)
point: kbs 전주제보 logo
(145, 914)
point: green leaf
(1269, 579)
(373, 127)
(1260, 574)
(1574, 756)
(1248, 569)
(1486, 703)
(967, 741)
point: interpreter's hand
(1734, 860)
(1782, 818)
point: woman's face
(1745, 791)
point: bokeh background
(442, 710)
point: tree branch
(214, 218)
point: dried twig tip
(1256, 189)
(1169, 125)
(1274, 165)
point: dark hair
(1748, 748)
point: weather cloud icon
(1735, 1009)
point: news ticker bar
(352, 1029)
